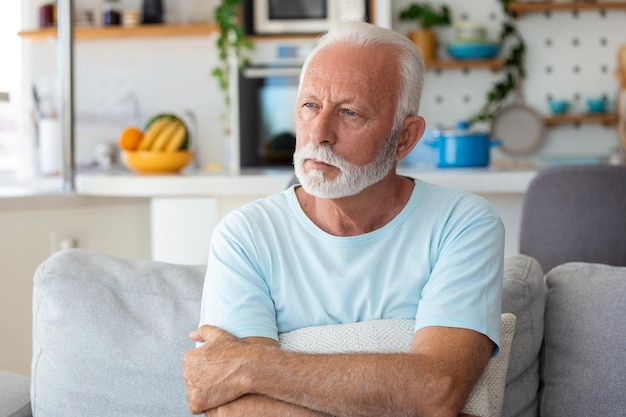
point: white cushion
(389, 336)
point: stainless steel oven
(268, 88)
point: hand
(213, 372)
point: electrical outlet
(62, 241)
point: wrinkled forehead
(370, 65)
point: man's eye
(350, 112)
(309, 105)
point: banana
(177, 138)
(163, 138)
(151, 134)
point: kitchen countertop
(265, 182)
(122, 183)
(47, 193)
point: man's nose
(322, 128)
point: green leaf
(231, 39)
(427, 15)
(514, 62)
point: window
(13, 160)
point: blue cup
(597, 104)
(559, 106)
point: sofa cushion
(585, 332)
(109, 335)
(389, 336)
(523, 294)
(14, 395)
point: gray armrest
(14, 395)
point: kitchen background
(119, 82)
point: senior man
(355, 242)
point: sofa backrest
(584, 354)
(109, 335)
(523, 294)
(575, 213)
(569, 349)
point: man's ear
(412, 131)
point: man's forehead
(350, 63)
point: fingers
(196, 336)
(211, 371)
(204, 333)
(194, 403)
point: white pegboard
(569, 55)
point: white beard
(352, 179)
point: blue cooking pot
(461, 147)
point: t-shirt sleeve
(465, 286)
(236, 296)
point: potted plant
(231, 46)
(428, 16)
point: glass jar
(111, 13)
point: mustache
(320, 153)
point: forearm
(260, 406)
(354, 384)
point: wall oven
(267, 92)
(263, 17)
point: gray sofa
(109, 335)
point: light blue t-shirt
(439, 261)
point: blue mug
(597, 104)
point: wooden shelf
(492, 64)
(607, 119)
(284, 36)
(546, 6)
(113, 32)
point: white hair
(410, 61)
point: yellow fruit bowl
(152, 162)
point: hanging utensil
(620, 74)
(621, 59)
(621, 80)
(520, 128)
(621, 117)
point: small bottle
(112, 13)
(152, 11)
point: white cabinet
(185, 209)
(181, 229)
(33, 228)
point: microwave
(272, 17)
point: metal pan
(519, 127)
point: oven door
(267, 99)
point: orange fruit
(129, 138)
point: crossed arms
(228, 376)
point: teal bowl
(597, 105)
(473, 50)
(559, 106)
